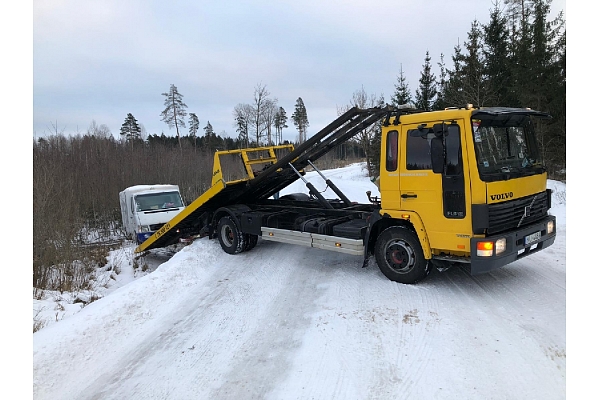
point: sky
(290, 322)
(99, 61)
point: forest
(516, 59)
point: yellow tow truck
(461, 186)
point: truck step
(326, 242)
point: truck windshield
(505, 147)
(157, 201)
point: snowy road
(288, 322)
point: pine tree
(174, 112)
(280, 123)
(497, 65)
(425, 95)
(130, 129)
(243, 115)
(467, 83)
(547, 83)
(401, 94)
(453, 91)
(300, 119)
(194, 126)
(475, 80)
(440, 101)
(209, 135)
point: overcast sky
(100, 60)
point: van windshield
(157, 201)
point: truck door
(440, 199)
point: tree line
(517, 59)
(257, 124)
(76, 185)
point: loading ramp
(250, 175)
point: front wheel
(230, 237)
(400, 256)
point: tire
(230, 237)
(250, 240)
(400, 256)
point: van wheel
(231, 239)
(250, 240)
(400, 256)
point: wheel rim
(400, 256)
(227, 235)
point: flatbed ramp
(249, 175)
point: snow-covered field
(289, 322)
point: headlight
(144, 228)
(550, 227)
(500, 245)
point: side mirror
(437, 155)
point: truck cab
(146, 208)
(470, 184)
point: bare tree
(261, 97)
(269, 114)
(368, 138)
(99, 131)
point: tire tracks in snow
(230, 341)
(363, 307)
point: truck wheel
(400, 256)
(250, 240)
(231, 239)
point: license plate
(534, 237)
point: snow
(290, 322)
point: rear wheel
(400, 256)
(230, 237)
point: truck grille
(515, 213)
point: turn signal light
(485, 249)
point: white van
(145, 208)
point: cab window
(391, 151)
(418, 152)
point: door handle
(408, 196)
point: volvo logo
(527, 211)
(502, 196)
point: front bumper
(515, 247)
(141, 237)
